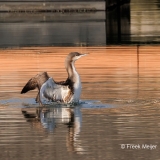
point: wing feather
(35, 82)
(52, 91)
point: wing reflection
(48, 119)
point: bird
(67, 91)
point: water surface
(119, 104)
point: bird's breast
(77, 89)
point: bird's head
(73, 56)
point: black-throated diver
(68, 91)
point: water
(119, 104)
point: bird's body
(68, 91)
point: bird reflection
(73, 142)
(48, 119)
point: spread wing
(50, 90)
(35, 82)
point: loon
(68, 91)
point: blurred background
(79, 23)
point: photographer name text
(138, 146)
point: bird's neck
(71, 70)
(74, 80)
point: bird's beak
(85, 54)
(81, 55)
